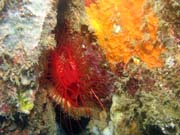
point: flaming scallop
(79, 81)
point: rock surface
(145, 102)
(25, 31)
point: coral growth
(77, 73)
(126, 29)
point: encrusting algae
(125, 30)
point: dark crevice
(68, 125)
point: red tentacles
(77, 75)
(65, 75)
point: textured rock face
(22, 25)
(20, 31)
(145, 102)
(2, 4)
(25, 30)
(5, 4)
(71, 12)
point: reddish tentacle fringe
(79, 80)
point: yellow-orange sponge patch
(126, 29)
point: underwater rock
(71, 11)
(2, 4)
(25, 30)
(5, 4)
(146, 100)
(168, 10)
(101, 124)
(149, 112)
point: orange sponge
(125, 29)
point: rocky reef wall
(142, 90)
